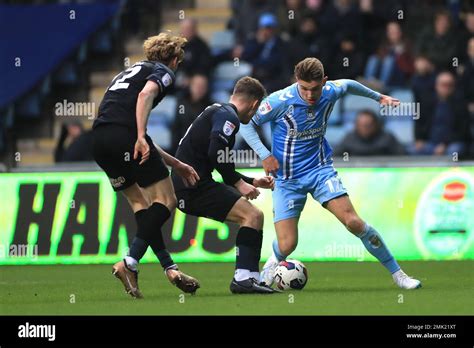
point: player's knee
(253, 218)
(354, 224)
(169, 201)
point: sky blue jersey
(298, 128)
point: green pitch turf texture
(334, 288)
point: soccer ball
(290, 274)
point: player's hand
(270, 165)
(247, 190)
(388, 100)
(187, 173)
(266, 182)
(143, 149)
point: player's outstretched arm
(353, 87)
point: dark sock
(259, 246)
(248, 252)
(139, 245)
(154, 219)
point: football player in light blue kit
(301, 160)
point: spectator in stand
(466, 80)
(74, 144)
(308, 42)
(439, 42)
(197, 55)
(266, 54)
(189, 106)
(289, 17)
(245, 15)
(442, 128)
(348, 61)
(369, 138)
(423, 80)
(392, 64)
(467, 33)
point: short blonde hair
(164, 48)
(309, 69)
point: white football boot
(405, 282)
(268, 272)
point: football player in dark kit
(134, 164)
(204, 146)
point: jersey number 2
(120, 84)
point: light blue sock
(276, 250)
(375, 245)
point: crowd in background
(383, 44)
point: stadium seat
(228, 71)
(402, 128)
(102, 41)
(336, 114)
(220, 96)
(66, 74)
(30, 105)
(357, 103)
(334, 134)
(403, 94)
(159, 122)
(222, 41)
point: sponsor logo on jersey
(228, 128)
(166, 79)
(265, 108)
(117, 182)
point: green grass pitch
(334, 288)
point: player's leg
(333, 196)
(289, 199)
(249, 238)
(111, 143)
(163, 200)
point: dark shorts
(209, 199)
(113, 147)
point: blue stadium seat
(102, 41)
(220, 96)
(335, 134)
(402, 128)
(82, 53)
(403, 94)
(9, 116)
(160, 120)
(356, 103)
(228, 71)
(222, 41)
(29, 106)
(66, 74)
(45, 87)
(336, 115)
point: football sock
(247, 249)
(276, 251)
(139, 245)
(152, 221)
(375, 245)
(241, 274)
(255, 275)
(131, 263)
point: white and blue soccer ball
(290, 274)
